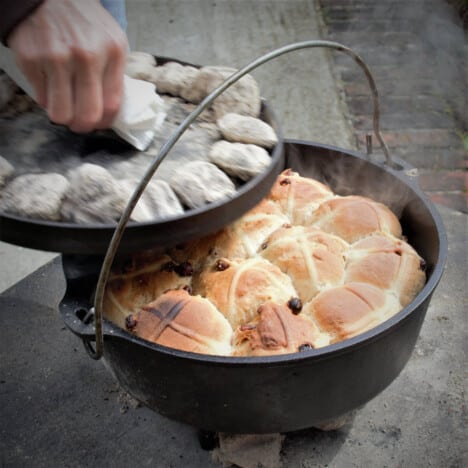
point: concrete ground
(421, 419)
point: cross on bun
(313, 259)
(354, 217)
(238, 287)
(178, 320)
(388, 263)
(298, 196)
(351, 309)
(277, 330)
(244, 237)
(140, 282)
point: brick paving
(417, 51)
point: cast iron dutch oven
(288, 392)
(295, 391)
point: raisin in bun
(238, 287)
(277, 330)
(197, 252)
(351, 309)
(313, 259)
(140, 282)
(388, 263)
(298, 196)
(178, 320)
(354, 217)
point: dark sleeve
(12, 12)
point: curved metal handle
(170, 142)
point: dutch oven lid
(94, 239)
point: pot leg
(208, 440)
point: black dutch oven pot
(288, 392)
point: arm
(73, 54)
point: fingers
(37, 79)
(87, 94)
(95, 87)
(112, 88)
(59, 98)
(98, 89)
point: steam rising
(347, 174)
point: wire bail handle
(97, 352)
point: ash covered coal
(110, 169)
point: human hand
(73, 54)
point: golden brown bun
(142, 281)
(238, 287)
(298, 196)
(198, 252)
(244, 238)
(241, 239)
(388, 263)
(312, 258)
(351, 309)
(354, 217)
(277, 330)
(178, 320)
